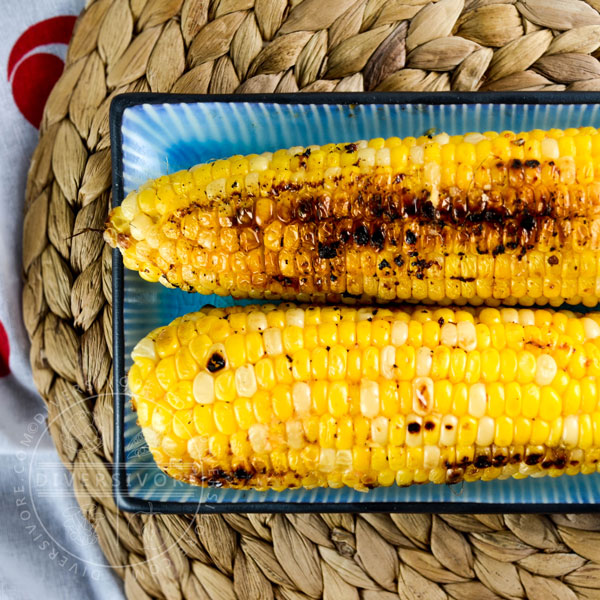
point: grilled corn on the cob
(275, 397)
(480, 218)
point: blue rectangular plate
(152, 134)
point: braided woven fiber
(275, 46)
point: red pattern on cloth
(4, 352)
(34, 77)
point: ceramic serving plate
(153, 134)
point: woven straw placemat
(275, 46)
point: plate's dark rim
(124, 500)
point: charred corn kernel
(269, 253)
(368, 410)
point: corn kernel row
(481, 218)
(280, 396)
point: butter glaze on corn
(276, 397)
(481, 218)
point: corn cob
(276, 397)
(480, 218)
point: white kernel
(273, 341)
(294, 150)
(379, 430)
(565, 164)
(473, 138)
(197, 447)
(216, 189)
(203, 388)
(399, 333)
(417, 155)
(414, 430)
(153, 237)
(245, 381)
(326, 460)
(252, 184)
(422, 395)
(448, 430)
(546, 369)
(539, 474)
(343, 461)
(129, 206)
(509, 315)
(383, 157)
(361, 144)
(441, 138)
(485, 431)
(140, 226)
(528, 470)
(333, 172)
(301, 398)
(294, 316)
(387, 361)
(577, 455)
(449, 335)
(369, 398)
(366, 157)
(550, 148)
(590, 328)
(364, 314)
(258, 435)
(258, 163)
(432, 175)
(570, 433)
(424, 361)
(145, 348)
(508, 471)
(477, 400)
(526, 317)
(466, 335)
(431, 457)
(256, 321)
(295, 434)
(152, 437)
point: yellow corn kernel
(203, 419)
(180, 395)
(282, 402)
(183, 424)
(550, 404)
(244, 413)
(166, 342)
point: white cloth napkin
(47, 549)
